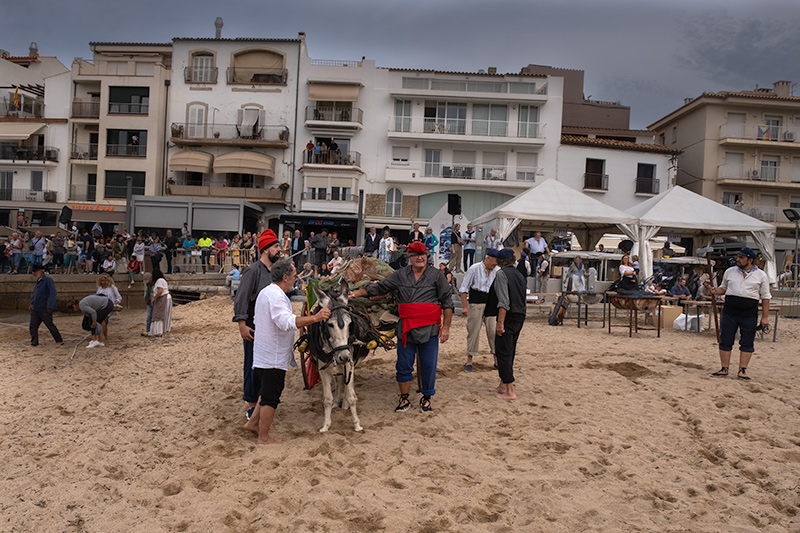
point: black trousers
(169, 255)
(37, 317)
(505, 346)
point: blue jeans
(469, 258)
(37, 259)
(428, 359)
(252, 383)
(747, 332)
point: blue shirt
(235, 273)
(677, 290)
(44, 294)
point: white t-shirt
(275, 327)
(537, 246)
(161, 283)
(626, 270)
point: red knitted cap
(267, 239)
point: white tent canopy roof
(553, 205)
(678, 210)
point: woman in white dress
(138, 251)
(162, 305)
(386, 247)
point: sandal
(742, 374)
(425, 404)
(404, 404)
(723, 372)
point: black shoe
(425, 404)
(403, 405)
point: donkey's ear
(344, 297)
(322, 298)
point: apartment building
(741, 149)
(118, 127)
(33, 124)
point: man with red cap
(253, 280)
(426, 309)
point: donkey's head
(336, 328)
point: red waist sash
(417, 314)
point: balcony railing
(200, 74)
(28, 153)
(335, 63)
(329, 196)
(128, 108)
(219, 190)
(206, 132)
(27, 195)
(596, 182)
(332, 158)
(765, 213)
(475, 127)
(126, 150)
(102, 67)
(26, 109)
(760, 174)
(759, 132)
(335, 114)
(257, 75)
(82, 193)
(85, 151)
(85, 109)
(481, 172)
(114, 191)
(647, 186)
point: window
(400, 155)
(126, 143)
(129, 100)
(646, 182)
(340, 193)
(194, 178)
(433, 161)
(674, 135)
(334, 111)
(250, 122)
(416, 83)
(203, 70)
(402, 115)
(526, 166)
(769, 168)
(794, 202)
(394, 202)
(528, 121)
(117, 183)
(36, 180)
(6, 184)
(772, 130)
(732, 198)
(445, 117)
(197, 122)
(489, 119)
(796, 170)
(316, 193)
(117, 68)
(595, 177)
(258, 67)
(494, 165)
(241, 180)
(145, 69)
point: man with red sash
(426, 309)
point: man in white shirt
(743, 286)
(272, 348)
(476, 283)
(493, 241)
(538, 244)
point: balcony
(257, 76)
(595, 182)
(28, 153)
(128, 108)
(268, 136)
(734, 133)
(82, 193)
(765, 176)
(27, 195)
(115, 191)
(646, 186)
(122, 67)
(329, 201)
(219, 190)
(765, 213)
(126, 150)
(352, 159)
(200, 74)
(350, 198)
(457, 129)
(85, 109)
(26, 109)
(334, 117)
(83, 153)
(502, 176)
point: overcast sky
(647, 54)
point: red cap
(267, 239)
(417, 248)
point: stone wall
(375, 206)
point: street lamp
(794, 216)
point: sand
(608, 434)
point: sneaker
(250, 412)
(403, 405)
(425, 404)
(101, 344)
(94, 344)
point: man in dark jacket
(43, 301)
(171, 243)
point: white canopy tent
(553, 206)
(678, 211)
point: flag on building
(16, 97)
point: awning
(191, 161)
(333, 92)
(245, 162)
(18, 131)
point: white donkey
(330, 343)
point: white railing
(759, 132)
(475, 86)
(472, 171)
(461, 126)
(765, 213)
(764, 173)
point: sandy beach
(608, 434)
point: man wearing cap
(426, 309)
(507, 303)
(475, 285)
(253, 280)
(43, 301)
(743, 286)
